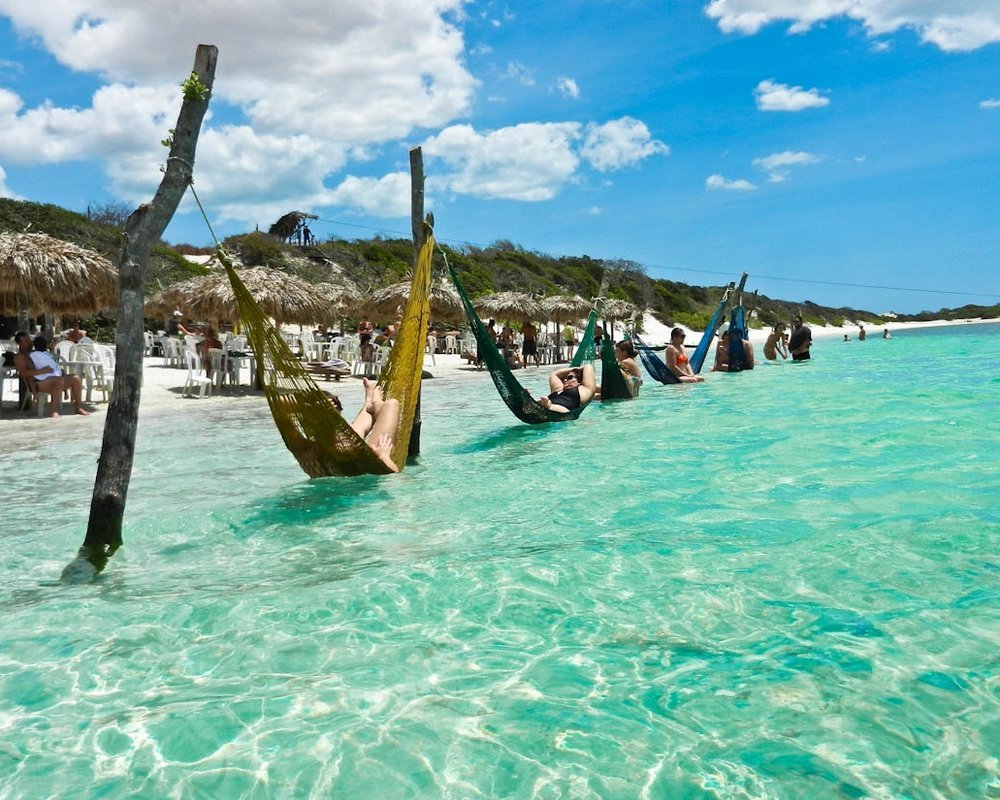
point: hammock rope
(313, 429)
(525, 407)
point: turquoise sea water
(783, 584)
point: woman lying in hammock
(377, 422)
(571, 387)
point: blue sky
(826, 152)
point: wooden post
(417, 226)
(143, 230)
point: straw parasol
(509, 306)
(283, 297)
(446, 305)
(565, 306)
(41, 273)
(614, 309)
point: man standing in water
(801, 340)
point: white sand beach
(162, 390)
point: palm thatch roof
(343, 298)
(619, 309)
(565, 306)
(509, 306)
(41, 273)
(446, 305)
(283, 297)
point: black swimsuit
(567, 398)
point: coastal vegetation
(501, 266)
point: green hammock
(525, 407)
(614, 386)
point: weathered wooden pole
(143, 230)
(417, 226)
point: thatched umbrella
(41, 273)
(615, 309)
(561, 307)
(283, 297)
(446, 305)
(509, 306)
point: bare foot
(54, 415)
(369, 396)
(83, 412)
(378, 400)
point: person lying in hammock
(377, 422)
(571, 387)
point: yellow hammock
(322, 441)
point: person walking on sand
(529, 346)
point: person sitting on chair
(377, 423)
(571, 387)
(42, 374)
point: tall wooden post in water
(417, 226)
(143, 230)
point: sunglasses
(571, 376)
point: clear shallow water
(784, 584)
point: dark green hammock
(517, 398)
(614, 386)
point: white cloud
(568, 88)
(524, 162)
(776, 164)
(388, 196)
(773, 96)
(619, 143)
(5, 190)
(520, 73)
(951, 25)
(721, 182)
(338, 71)
(991, 103)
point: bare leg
(76, 393)
(383, 433)
(365, 419)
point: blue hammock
(698, 357)
(657, 370)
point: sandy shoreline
(162, 389)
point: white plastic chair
(218, 374)
(106, 353)
(432, 344)
(90, 368)
(62, 348)
(194, 376)
(451, 344)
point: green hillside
(502, 266)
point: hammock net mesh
(516, 397)
(314, 431)
(614, 386)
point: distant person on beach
(775, 344)
(861, 333)
(569, 339)
(598, 338)
(801, 340)
(377, 423)
(79, 336)
(570, 388)
(529, 347)
(365, 332)
(847, 338)
(677, 360)
(205, 346)
(174, 327)
(886, 334)
(42, 373)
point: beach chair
(194, 376)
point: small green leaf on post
(194, 89)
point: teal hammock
(698, 357)
(614, 386)
(516, 397)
